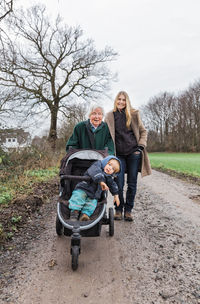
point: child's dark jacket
(96, 172)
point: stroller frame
(79, 229)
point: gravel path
(153, 260)
(164, 242)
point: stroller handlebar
(75, 177)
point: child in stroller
(73, 167)
(86, 194)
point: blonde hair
(128, 108)
(117, 164)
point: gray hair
(94, 107)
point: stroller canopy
(86, 155)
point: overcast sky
(158, 41)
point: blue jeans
(129, 164)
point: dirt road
(153, 260)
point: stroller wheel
(75, 254)
(59, 227)
(111, 222)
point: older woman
(130, 138)
(92, 133)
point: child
(86, 194)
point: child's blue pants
(80, 201)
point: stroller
(73, 166)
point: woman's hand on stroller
(104, 186)
(116, 200)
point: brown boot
(84, 217)
(128, 216)
(118, 216)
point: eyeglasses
(96, 114)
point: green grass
(5, 196)
(184, 163)
(42, 174)
(24, 183)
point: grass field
(184, 163)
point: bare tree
(157, 116)
(8, 94)
(6, 100)
(174, 121)
(52, 65)
(6, 7)
(190, 102)
(76, 114)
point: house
(11, 139)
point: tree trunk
(53, 127)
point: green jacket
(101, 137)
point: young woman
(130, 138)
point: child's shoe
(84, 217)
(74, 215)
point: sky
(158, 41)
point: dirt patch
(15, 217)
(195, 198)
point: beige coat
(140, 134)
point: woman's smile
(121, 102)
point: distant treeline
(173, 122)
